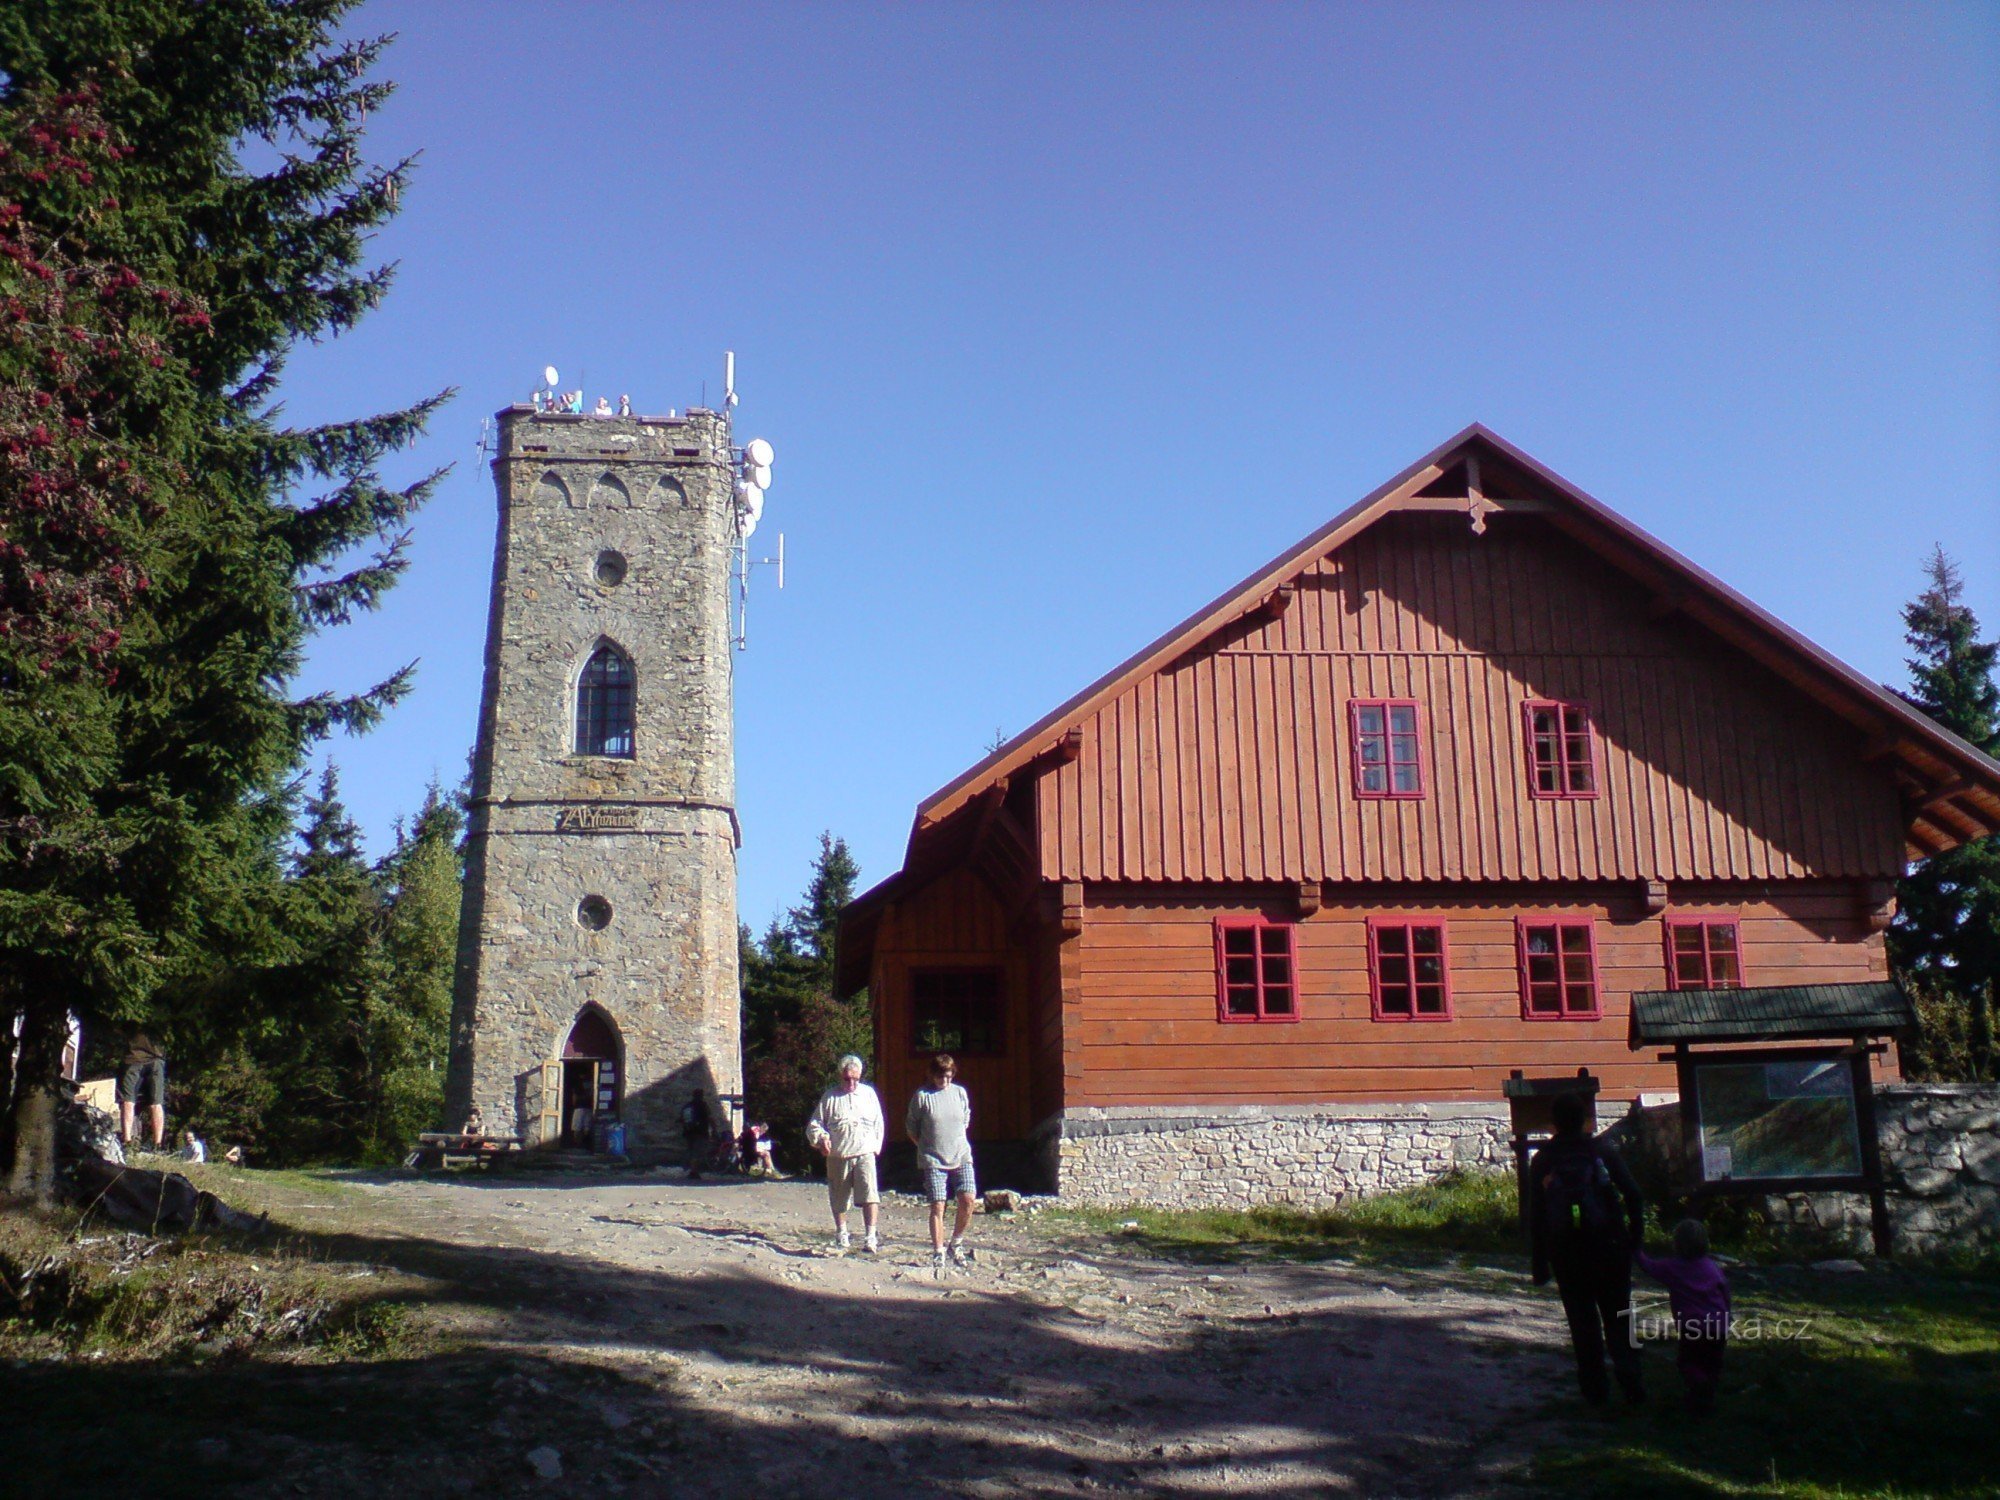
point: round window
(610, 568)
(594, 912)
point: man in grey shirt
(940, 1115)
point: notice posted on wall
(1786, 1118)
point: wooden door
(549, 1122)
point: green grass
(1460, 1213)
(1891, 1392)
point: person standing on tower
(847, 1130)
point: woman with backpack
(1584, 1218)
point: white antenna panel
(760, 453)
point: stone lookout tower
(596, 975)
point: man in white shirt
(847, 1130)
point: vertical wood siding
(956, 922)
(1234, 763)
(1149, 1032)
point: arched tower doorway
(592, 1077)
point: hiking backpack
(1580, 1203)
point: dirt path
(732, 1354)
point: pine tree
(144, 796)
(794, 1024)
(1946, 936)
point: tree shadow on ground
(967, 1391)
(650, 1382)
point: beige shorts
(850, 1179)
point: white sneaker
(961, 1253)
(871, 1244)
(841, 1240)
(937, 1259)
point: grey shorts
(942, 1184)
(144, 1083)
(851, 1179)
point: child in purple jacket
(1698, 1292)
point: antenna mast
(752, 467)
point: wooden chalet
(1423, 801)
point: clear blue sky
(1061, 318)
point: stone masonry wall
(1940, 1147)
(653, 834)
(1248, 1156)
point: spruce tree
(794, 1024)
(144, 800)
(410, 1021)
(1946, 936)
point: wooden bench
(450, 1148)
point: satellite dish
(759, 453)
(760, 475)
(549, 376)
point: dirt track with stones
(734, 1354)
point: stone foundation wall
(1247, 1156)
(1940, 1148)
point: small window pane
(1403, 721)
(1427, 939)
(1239, 940)
(1392, 939)
(1243, 1001)
(1277, 1001)
(1430, 1000)
(1277, 970)
(1369, 716)
(1242, 971)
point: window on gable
(1388, 754)
(1558, 971)
(1255, 976)
(957, 1011)
(1704, 953)
(604, 704)
(1562, 758)
(1409, 970)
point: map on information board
(1787, 1118)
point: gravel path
(743, 1358)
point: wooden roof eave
(1915, 740)
(1046, 734)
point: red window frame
(1574, 742)
(1707, 953)
(1538, 978)
(1380, 986)
(1268, 943)
(1389, 735)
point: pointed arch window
(604, 704)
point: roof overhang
(1951, 791)
(1790, 1012)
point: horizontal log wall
(1149, 1034)
(1235, 763)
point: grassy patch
(80, 1290)
(1459, 1213)
(1889, 1387)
